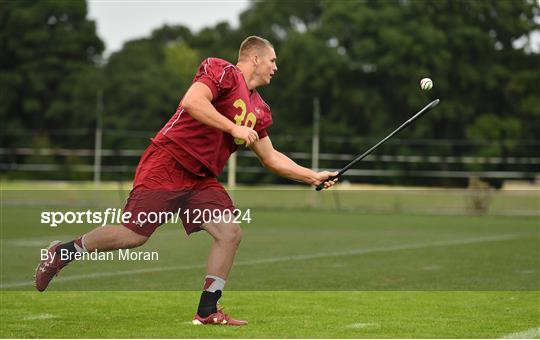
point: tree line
(361, 59)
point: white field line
(45, 316)
(44, 241)
(359, 251)
(362, 325)
(24, 243)
(34, 241)
(530, 333)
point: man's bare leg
(112, 237)
(227, 238)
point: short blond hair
(252, 43)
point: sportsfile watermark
(117, 216)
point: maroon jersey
(202, 149)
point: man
(219, 112)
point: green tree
(49, 52)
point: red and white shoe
(218, 318)
(49, 268)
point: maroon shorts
(162, 185)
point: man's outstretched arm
(282, 165)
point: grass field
(271, 314)
(380, 264)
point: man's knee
(230, 233)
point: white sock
(79, 245)
(213, 283)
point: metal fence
(403, 158)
